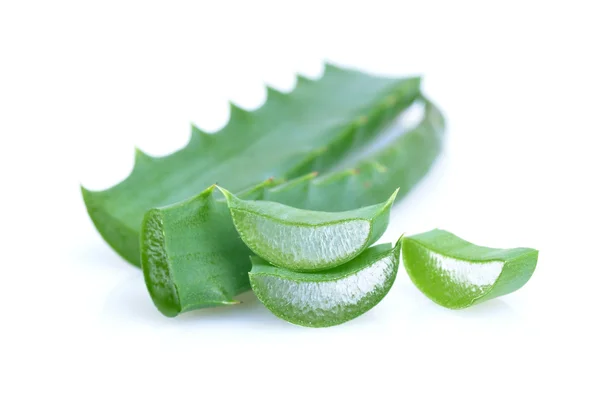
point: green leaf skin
(187, 287)
(215, 265)
(307, 240)
(307, 130)
(330, 297)
(457, 274)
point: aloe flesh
(457, 274)
(305, 240)
(330, 297)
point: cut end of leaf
(156, 266)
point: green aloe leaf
(307, 130)
(457, 274)
(307, 240)
(330, 297)
(193, 257)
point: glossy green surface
(307, 130)
(330, 297)
(203, 252)
(218, 278)
(457, 274)
(307, 240)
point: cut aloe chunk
(457, 274)
(329, 297)
(306, 240)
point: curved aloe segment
(307, 240)
(307, 130)
(330, 297)
(457, 274)
(202, 251)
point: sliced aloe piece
(457, 274)
(331, 297)
(174, 280)
(306, 240)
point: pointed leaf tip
(331, 68)
(235, 111)
(303, 80)
(395, 194)
(398, 244)
(228, 195)
(390, 202)
(274, 93)
(198, 131)
(197, 137)
(86, 194)
(142, 157)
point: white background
(82, 83)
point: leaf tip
(330, 68)
(235, 111)
(303, 80)
(87, 196)
(390, 202)
(141, 157)
(196, 130)
(272, 92)
(398, 245)
(228, 195)
(84, 190)
(198, 134)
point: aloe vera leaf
(330, 297)
(292, 134)
(198, 252)
(307, 240)
(457, 274)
